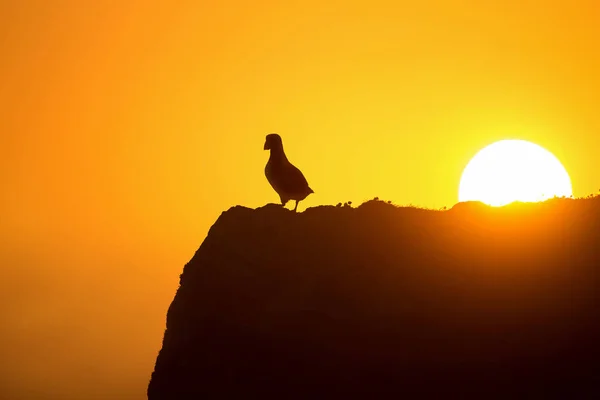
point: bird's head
(273, 142)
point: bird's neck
(277, 155)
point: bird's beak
(266, 146)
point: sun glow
(513, 170)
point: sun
(513, 170)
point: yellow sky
(127, 127)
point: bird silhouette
(285, 178)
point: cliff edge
(381, 301)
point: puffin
(287, 180)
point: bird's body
(287, 180)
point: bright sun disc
(513, 170)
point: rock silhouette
(381, 302)
(287, 180)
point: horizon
(127, 129)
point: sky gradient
(127, 127)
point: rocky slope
(379, 301)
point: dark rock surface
(381, 301)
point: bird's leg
(296, 206)
(283, 201)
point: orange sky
(127, 127)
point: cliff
(379, 301)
